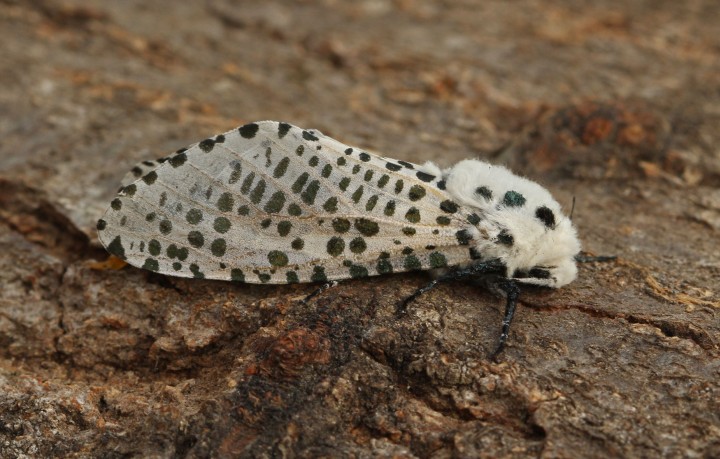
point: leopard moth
(273, 203)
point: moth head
(556, 276)
(545, 257)
(520, 223)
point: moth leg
(318, 291)
(513, 292)
(490, 267)
(401, 310)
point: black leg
(485, 268)
(401, 310)
(319, 290)
(513, 292)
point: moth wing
(140, 169)
(273, 203)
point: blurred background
(89, 88)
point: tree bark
(611, 105)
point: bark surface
(614, 104)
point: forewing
(273, 203)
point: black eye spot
(539, 273)
(546, 216)
(533, 273)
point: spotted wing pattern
(273, 203)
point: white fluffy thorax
(520, 222)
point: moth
(273, 203)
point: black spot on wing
(416, 193)
(366, 227)
(424, 176)
(237, 275)
(358, 271)
(277, 258)
(473, 219)
(412, 263)
(150, 178)
(318, 274)
(207, 145)
(178, 160)
(116, 248)
(308, 135)
(218, 246)
(129, 190)
(449, 206)
(283, 129)
(384, 266)
(249, 130)
(437, 260)
(151, 264)
(335, 246)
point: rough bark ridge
(613, 103)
